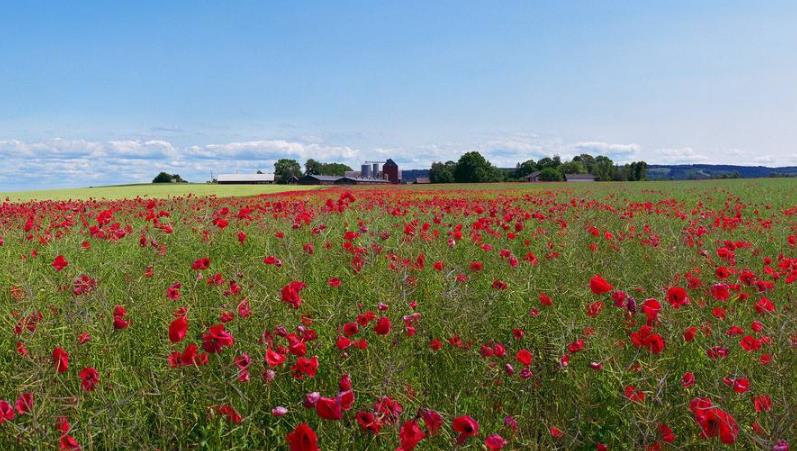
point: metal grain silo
(365, 170)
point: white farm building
(244, 179)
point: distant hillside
(676, 172)
(709, 171)
(412, 174)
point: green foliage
(285, 168)
(603, 168)
(572, 167)
(313, 167)
(442, 172)
(548, 162)
(142, 403)
(164, 177)
(524, 169)
(550, 174)
(472, 167)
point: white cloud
(78, 162)
(272, 150)
(620, 153)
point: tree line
(472, 167)
(286, 168)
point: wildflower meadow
(506, 316)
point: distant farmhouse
(244, 179)
(579, 177)
(370, 173)
(534, 176)
(340, 180)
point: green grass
(660, 231)
(154, 190)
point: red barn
(391, 170)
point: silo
(375, 171)
(365, 171)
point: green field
(150, 190)
(358, 311)
(201, 189)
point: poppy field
(542, 316)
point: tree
(603, 168)
(312, 167)
(442, 172)
(164, 177)
(587, 160)
(285, 168)
(641, 171)
(572, 167)
(334, 169)
(547, 162)
(550, 174)
(525, 168)
(472, 167)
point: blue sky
(103, 92)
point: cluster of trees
(472, 167)
(286, 168)
(164, 177)
(313, 167)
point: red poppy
(305, 367)
(229, 413)
(67, 442)
(466, 427)
(244, 309)
(634, 394)
(178, 329)
(666, 433)
(494, 442)
(24, 403)
(290, 293)
(545, 300)
(646, 338)
(594, 309)
(598, 285)
(714, 421)
(60, 360)
(201, 264)
(188, 357)
(329, 409)
(524, 357)
(750, 343)
(216, 339)
(688, 379)
(368, 422)
(382, 326)
(59, 263)
(677, 297)
(762, 403)
(6, 411)
(651, 309)
(410, 435)
(432, 420)
(89, 378)
(764, 305)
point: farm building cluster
(370, 173)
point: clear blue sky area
(113, 92)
